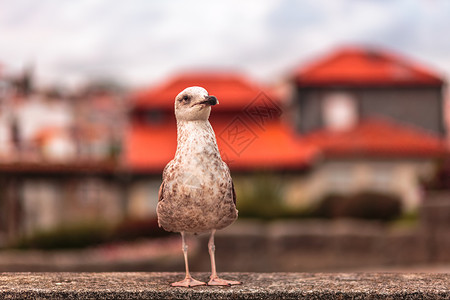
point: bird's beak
(211, 100)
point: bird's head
(194, 103)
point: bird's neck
(195, 137)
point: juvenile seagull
(197, 193)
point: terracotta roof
(233, 90)
(150, 148)
(378, 138)
(365, 67)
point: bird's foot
(222, 282)
(188, 282)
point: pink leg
(215, 280)
(188, 281)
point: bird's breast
(199, 171)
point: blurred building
(376, 117)
(100, 119)
(59, 156)
(355, 121)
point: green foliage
(83, 235)
(67, 236)
(260, 196)
(364, 205)
(406, 220)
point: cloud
(142, 41)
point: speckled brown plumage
(197, 193)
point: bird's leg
(188, 281)
(214, 279)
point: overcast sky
(140, 42)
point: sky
(141, 42)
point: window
(339, 111)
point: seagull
(197, 193)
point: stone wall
(316, 245)
(255, 286)
(435, 221)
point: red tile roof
(365, 67)
(379, 138)
(233, 90)
(150, 148)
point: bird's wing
(232, 184)
(161, 188)
(161, 191)
(234, 193)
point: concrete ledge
(256, 286)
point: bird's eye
(185, 98)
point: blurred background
(333, 119)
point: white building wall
(398, 177)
